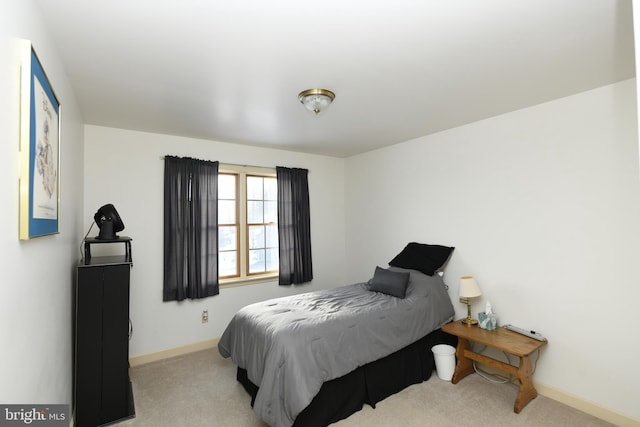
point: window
(262, 224)
(228, 225)
(247, 224)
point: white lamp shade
(469, 287)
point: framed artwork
(39, 150)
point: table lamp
(469, 289)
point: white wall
(36, 289)
(125, 168)
(543, 207)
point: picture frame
(39, 186)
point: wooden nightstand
(500, 339)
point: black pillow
(389, 282)
(425, 258)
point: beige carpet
(200, 389)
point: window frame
(242, 245)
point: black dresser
(102, 388)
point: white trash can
(445, 357)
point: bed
(315, 358)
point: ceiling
(231, 70)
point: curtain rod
(249, 166)
(234, 164)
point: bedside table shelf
(501, 339)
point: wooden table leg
(526, 391)
(464, 365)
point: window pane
(254, 188)
(226, 186)
(227, 238)
(272, 259)
(226, 211)
(255, 212)
(256, 261)
(248, 232)
(270, 189)
(256, 237)
(227, 264)
(270, 212)
(272, 236)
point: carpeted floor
(200, 389)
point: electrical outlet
(205, 316)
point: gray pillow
(389, 282)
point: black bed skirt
(371, 383)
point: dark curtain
(294, 230)
(190, 228)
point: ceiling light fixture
(316, 100)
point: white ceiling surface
(231, 70)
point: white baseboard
(561, 396)
(576, 402)
(586, 406)
(172, 352)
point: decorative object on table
(316, 100)
(487, 318)
(468, 289)
(108, 221)
(39, 150)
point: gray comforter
(289, 346)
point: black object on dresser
(102, 387)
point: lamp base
(469, 321)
